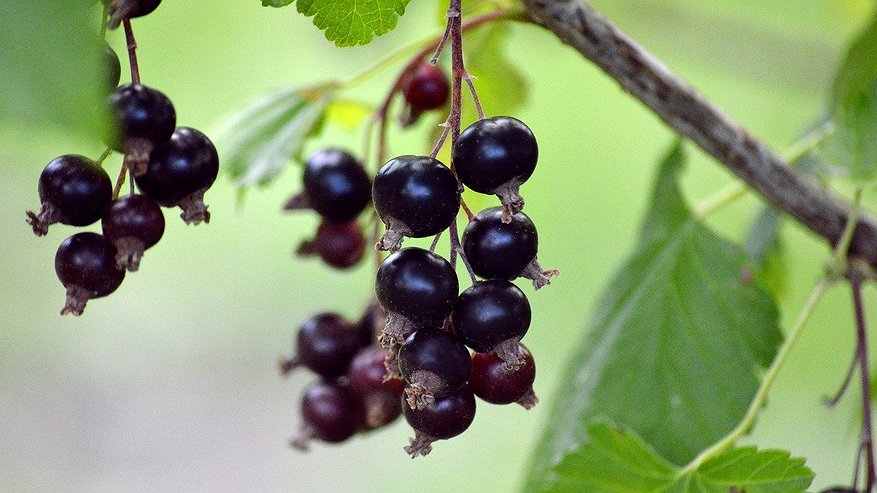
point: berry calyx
(491, 317)
(73, 190)
(444, 418)
(496, 383)
(498, 249)
(336, 186)
(417, 288)
(86, 265)
(120, 10)
(143, 119)
(331, 414)
(339, 245)
(495, 156)
(434, 363)
(180, 171)
(325, 343)
(415, 196)
(426, 89)
(132, 224)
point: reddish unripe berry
(330, 413)
(340, 245)
(493, 380)
(378, 392)
(426, 89)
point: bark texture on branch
(579, 25)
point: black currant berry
(372, 322)
(330, 413)
(336, 186)
(415, 196)
(504, 250)
(416, 287)
(325, 343)
(113, 67)
(444, 418)
(340, 245)
(132, 224)
(491, 317)
(120, 10)
(73, 190)
(378, 391)
(426, 89)
(86, 265)
(180, 171)
(143, 119)
(493, 380)
(434, 363)
(495, 156)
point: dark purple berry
(143, 119)
(330, 413)
(434, 363)
(425, 89)
(417, 288)
(340, 245)
(495, 156)
(86, 265)
(444, 418)
(325, 343)
(113, 67)
(491, 317)
(378, 391)
(336, 186)
(372, 322)
(132, 224)
(180, 171)
(493, 380)
(73, 190)
(415, 196)
(128, 9)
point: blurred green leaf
(501, 85)
(615, 460)
(674, 347)
(347, 113)
(260, 142)
(45, 83)
(764, 247)
(349, 22)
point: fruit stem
(120, 181)
(867, 438)
(103, 157)
(132, 51)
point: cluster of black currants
(171, 166)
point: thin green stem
(757, 403)
(843, 245)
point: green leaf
(47, 82)
(615, 460)
(349, 22)
(347, 113)
(675, 345)
(259, 143)
(501, 86)
(764, 247)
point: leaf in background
(258, 144)
(766, 253)
(615, 460)
(501, 86)
(52, 66)
(347, 113)
(349, 22)
(676, 342)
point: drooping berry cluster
(171, 166)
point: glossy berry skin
(132, 223)
(416, 196)
(490, 312)
(446, 417)
(86, 265)
(367, 373)
(340, 245)
(494, 382)
(73, 190)
(417, 284)
(336, 185)
(427, 89)
(140, 112)
(499, 250)
(113, 67)
(331, 414)
(326, 343)
(493, 152)
(128, 9)
(436, 360)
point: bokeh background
(170, 383)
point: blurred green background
(170, 383)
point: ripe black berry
(132, 224)
(416, 287)
(504, 250)
(495, 156)
(330, 412)
(378, 391)
(444, 418)
(180, 171)
(415, 196)
(426, 89)
(434, 363)
(113, 67)
(341, 245)
(143, 118)
(335, 185)
(73, 190)
(325, 343)
(493, 381)
(373, 320)
(127, 9)
(86, 265)
(491, 317)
